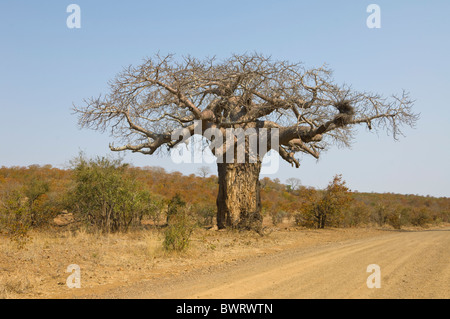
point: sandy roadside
(330, 263)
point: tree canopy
(146, 103)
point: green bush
(23, 207)
(106, 195)
(43, 207)
(180, 226)
(15, 221)
(174, 206)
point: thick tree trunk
(238, 201)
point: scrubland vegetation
(117, 217)
(107, 196)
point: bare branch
(148, 102)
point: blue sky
(46, 67)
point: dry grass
(39, 269)
(111, 260)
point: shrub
(157, 207)
(25, 206)
(278, 216)
(398, 216)
(356, 215)
(174, 206)
(326, 208)
(15, 219)
(420, 217)
(180, 226)
(303, 218)
(379, 214)
(394, 220)
(205, 214)
(34, 193)
(105, 195)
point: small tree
(204, 171)
(293, 183)
(326, 208)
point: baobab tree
(146, 104)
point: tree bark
(238, 200)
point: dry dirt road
(413, 264)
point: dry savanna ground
(228, 263)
